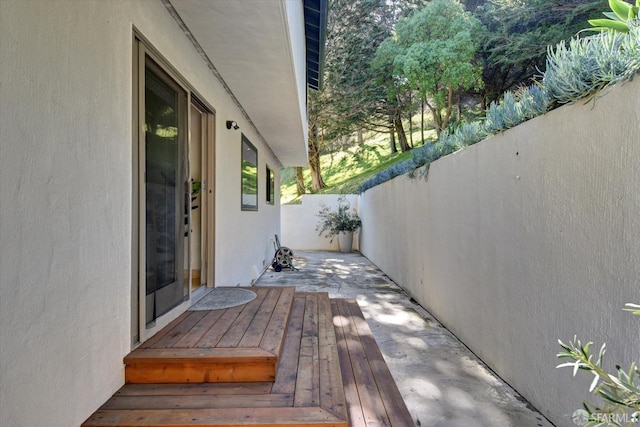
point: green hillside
(344, 170)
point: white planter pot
(345, 241)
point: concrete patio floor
(442, 382)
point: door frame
(207, 166)
(142, 49)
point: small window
(249, 176)
(271, 187)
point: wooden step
(308, 390)
(238, 344)
(232, 417)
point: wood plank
(368, 393)
(232, 417)
(192, 355)
(167, 329)
(168, 340)
(354, 406)
(288, 365)
(332, 396)
(205, 389)
(236, 331)
(307, 384)
(200, 402)
(394, 404)
(276, 329)
(199, 372)
(255, 332)
(217, 331)
(191, 338)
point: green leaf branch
(620, 391)
(618, 18)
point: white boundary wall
(298, 222)
(528, 237)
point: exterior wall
(66, 198)
(243, 238)
(299, 223)
(526, 238)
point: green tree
(316, 119)
(356, 29)
(435, 53)
(518, 33)
(360, 95)
(390, 108)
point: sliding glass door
(165, 204)
(173, 193)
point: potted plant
(341, 223)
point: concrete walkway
(442, 382)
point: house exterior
(140, 149)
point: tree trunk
(410, 121)
(422, 120)
(317, 183)
(437, 118)
(402, 137)
(360, 138)
(410, 131)
(449, 110)
(392, 137)
(300, 188)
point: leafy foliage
(372, 79)
(519, 32)
(514, 109)
(575, 70)
(366, 88)
(620, 391)
(619, 17)
(356, 29)
(333, 222)
(584, 66)
(434, 50)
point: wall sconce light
(232, 124)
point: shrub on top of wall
(576, 70)
(534, 101)
(583, 66)
(398, 169)
(511, 111)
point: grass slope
(344, 170)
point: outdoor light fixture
(232, 124)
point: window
(249, 176)
(271, 187)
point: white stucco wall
(523, 239)
(299, 222)
(65, 176)
(66, 198)
(243, 238)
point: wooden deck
(330, 371)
